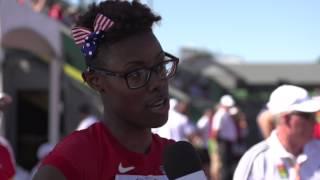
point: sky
(256, 31)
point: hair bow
(88, 39)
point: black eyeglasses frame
(173, 59)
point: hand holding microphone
(181, 162)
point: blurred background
(243, 48)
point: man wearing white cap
(290, 152)
(224, 131)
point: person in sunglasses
(127, 66)
(290, 152)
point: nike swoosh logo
(122, 169)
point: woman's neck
(133, 138)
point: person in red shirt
(7, 160)
(55, 12)
(7, 166)
(127, 66)
(316, 130)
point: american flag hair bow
(88, 39)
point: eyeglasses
(140, 77)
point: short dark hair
(129, 18)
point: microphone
(181, 162)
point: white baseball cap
(227, 100)
(288, 98)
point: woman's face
(144, 107)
